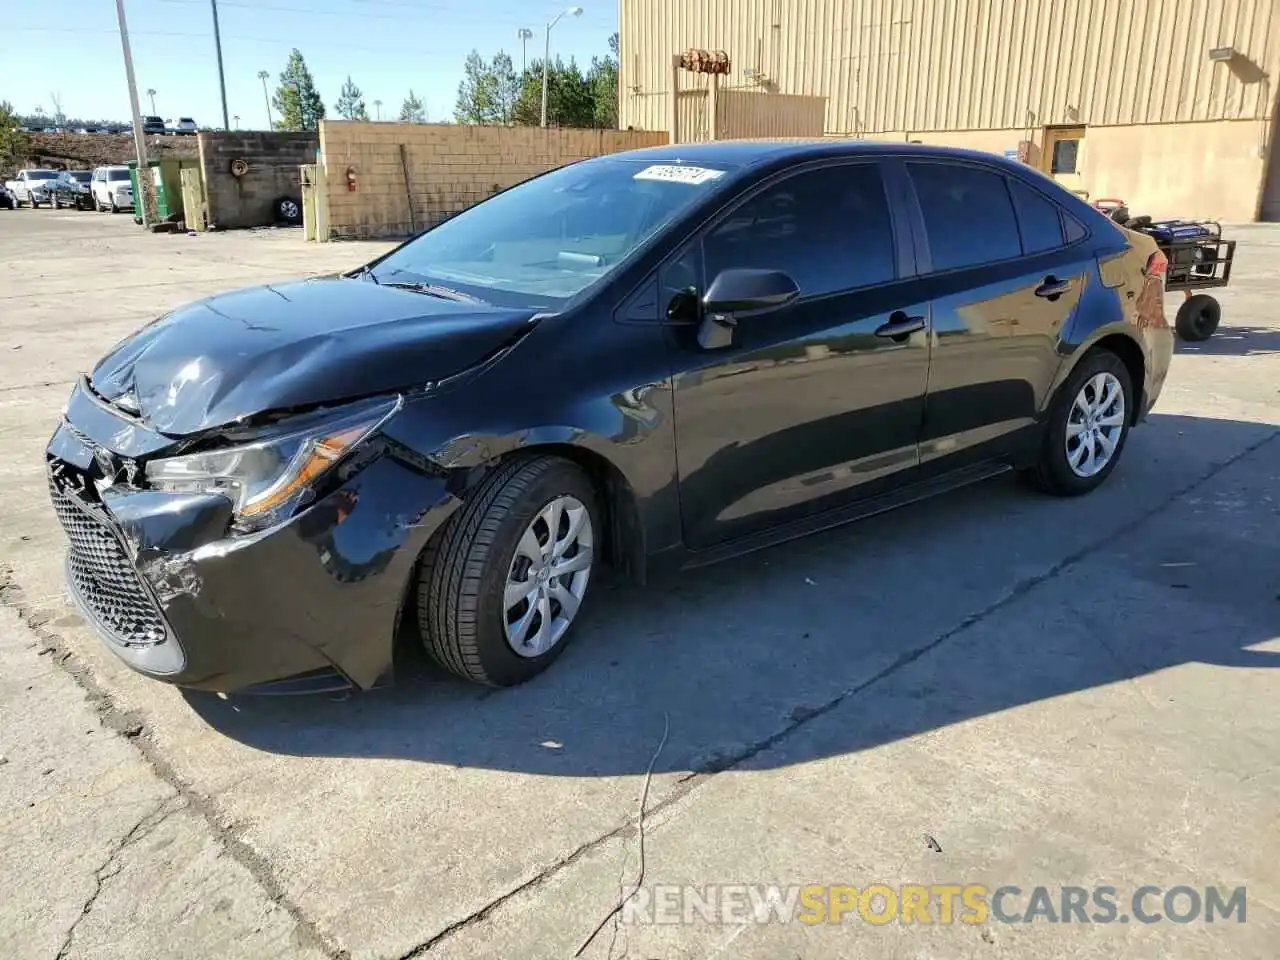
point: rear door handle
(1052, 288)
(900, 326)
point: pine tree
(14, 143)
(350, 105)
(412, 110)
(296, 99)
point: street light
(237, 121)
(525, 35)
(377, 109)
(266, 98)
(546, 55)
(152, 94)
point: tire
(288, 210)
(462, 612)
(1198, 318)
(114, 208)
(1053, 472)
(56, 204)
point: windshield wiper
(432, 290)
(366, 273)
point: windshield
(82, 176)
(544, 241)
(41, 175)
(117, 174)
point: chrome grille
(103, 577)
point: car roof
(745, 153)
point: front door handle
(900, 326)
(1052, 288)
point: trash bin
(167, 183)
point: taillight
(1157, 264)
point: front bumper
(177, 599)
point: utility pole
(222, 83)
(146, 200)
(546, 54)
(266, 97)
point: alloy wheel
(548, 576)
(1095, 425)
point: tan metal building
(1167, 104)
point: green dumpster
(167, 181)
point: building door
(1269, 211)
(1063, 156)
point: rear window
(41, 175)
(1038, 218)
(968, 215)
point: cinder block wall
(273, 160)
(449, 167)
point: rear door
(1006, 268)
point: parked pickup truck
(33, 186)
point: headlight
(268, 479)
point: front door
(813, 404)
(1063, 156)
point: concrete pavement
(1055, 692)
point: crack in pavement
(262, 870)
(694, 779)
(146, 823)
(128, 724)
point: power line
(271, 41)
(408, 8)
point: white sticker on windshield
(679, 173)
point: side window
(968, 215)
(1037, 217)
(1075, 229)
(829, 229)
(678, 286)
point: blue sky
(71, 48)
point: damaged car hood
(276, 347)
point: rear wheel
(1198, 318)
(1088, 426)
(502, 584)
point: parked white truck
(33, 186)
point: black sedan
(657, 358)
(71, 189)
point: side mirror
(738, 292)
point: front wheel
(502, 584)
(1088, 425)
